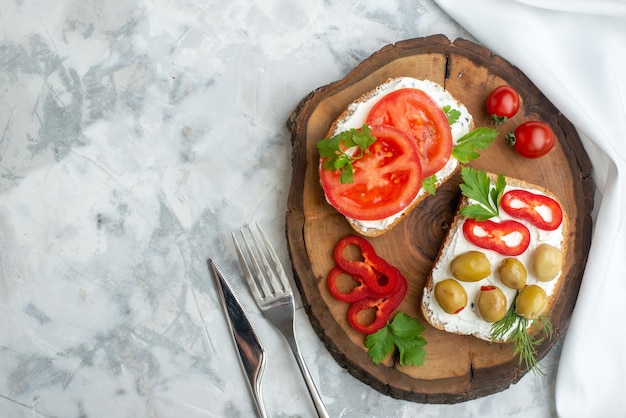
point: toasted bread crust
(428, 297)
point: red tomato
(415, 113)
(523, 204)
(502, 103)
(532, 139)
(386, 179)
(507, 237)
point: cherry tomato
(386, 179)
(509, 238)
(523, 204)
(415, 113)
(532, 139)
(502, 103)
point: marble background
(135, 136)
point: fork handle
(315, 396)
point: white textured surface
(134, 136)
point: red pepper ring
(358, 292)
(384, 306)
(377, 274)
(523, 204)
(491, 235)
(361, 268)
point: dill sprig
(512, 327)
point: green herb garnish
(466, 148)
(477, 186)
(514, 328)
(343, 149)
(429, 184)
(403, 332)
(451, 114)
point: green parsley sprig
(467, 147)
(404, 333)
(343, 149)
(514, 328)
(477, 186)
(451, 113)
(429, 184)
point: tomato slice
(507, 237)
(540, 210)
(419, 116)
(386, 179)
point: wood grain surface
(457, 368)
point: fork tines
(267, 282)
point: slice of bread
(468, 321)
(354, 116)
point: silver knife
(249, 347)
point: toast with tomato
(392, 148)
(500, 265)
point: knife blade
(249, 346)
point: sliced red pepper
(378, 275)
(359, 291)
(523, 204)
(507, 237)
(379, 285)
(384, 306)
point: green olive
(451, 296)
(512, 273)
(547, 262)
(470, 266)
(531, 302)
(491, 303)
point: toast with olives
(471, 287)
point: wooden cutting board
(457, 368)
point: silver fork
(272, 293)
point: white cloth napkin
(575, 53)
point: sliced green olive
(470, 266)
(512, 273)
(451, 296)
(532, 301)
(491, 303)
(547, 262)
